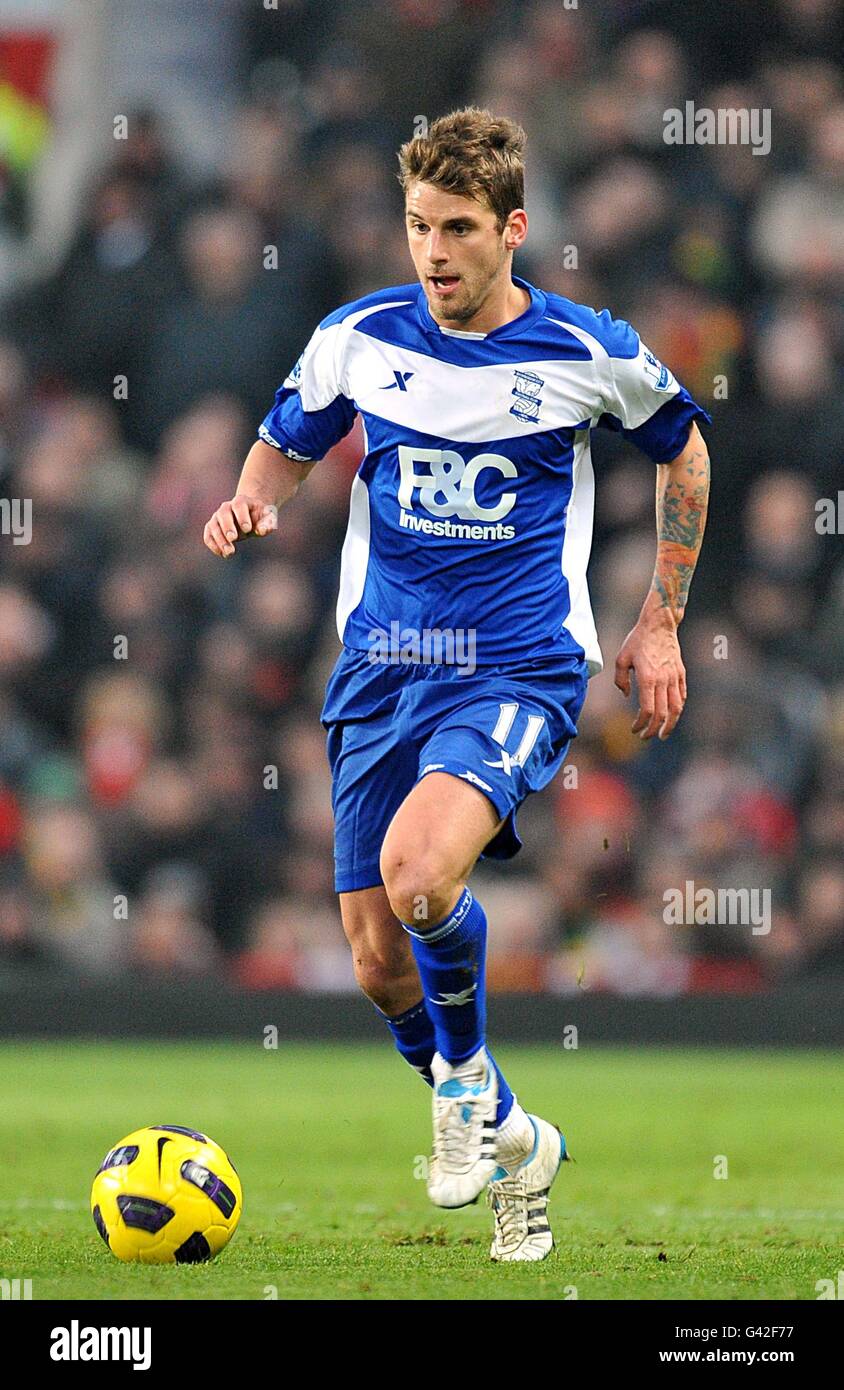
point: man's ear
(516, 230)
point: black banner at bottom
(87, 1338)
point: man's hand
(652, 651)
(242, 516)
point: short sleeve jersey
(472, 508)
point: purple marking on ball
(119, 1158)
(212, 1185)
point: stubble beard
(446, 313)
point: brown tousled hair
(472, 153)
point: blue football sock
(451, 959)
(413, 1033)
(505, 1095)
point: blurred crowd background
(148, 691)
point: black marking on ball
(101, 1225)
(161, 1144)
(194, 1250)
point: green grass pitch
(329, 1142)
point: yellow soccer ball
(166, 1195)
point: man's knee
(421, 887)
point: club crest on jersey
(526, 390)
(659, 375)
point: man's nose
(437, 250)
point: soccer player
(464, 611)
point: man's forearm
(270, 476)
(681, 501)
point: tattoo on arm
(682, 497)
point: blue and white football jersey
(472, 508)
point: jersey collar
(514, 329)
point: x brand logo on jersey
(401, 380)
(263, 433)
(448, 1000)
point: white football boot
(465, 1101)
(519, 1198)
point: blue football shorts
(505, 729)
